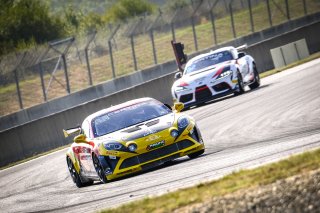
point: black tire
(240, 88)
(99, 169)
(256, 83)
(74, 174)
(196, 154)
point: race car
(134, 136)
(215, 74)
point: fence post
(18, 88)
(172, 24)
(305, 7)
(194, 34)
(172, 31)
(269, 12)
(213, 21)
(153, 47)
(251, 17)
(213, 28)
(63, 53)
(287, 9)
(42, 82)
(232, 21)
(154, 50)
(66, 72)
(110, 49)
(133, 53)
(88, 65)
(111, 59)
(193, 25)
(86, 49)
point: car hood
(140, 130)
(200, 75)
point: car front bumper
(206, 92)
(129, 164)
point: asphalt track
(280, 118)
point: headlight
(181, 86)
(112, 146)
(132, 147)
(174, 133)
(183, 122)
(225, 72)
(178, 88)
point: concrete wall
(45, 133)
(289, 53)
(136, 78)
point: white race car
(215, 74)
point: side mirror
(80, 139)
(178, 75)
(178, 107)
(241, 54)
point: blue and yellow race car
(131, 137)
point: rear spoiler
(242, 47)
(70, 131)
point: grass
(239, 180)
(30, 86)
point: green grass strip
(239, 180)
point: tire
(99, 169)
(74, 174)
(196, 154)
(256, 83)
(240, 88)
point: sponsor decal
(155, 145)
(152, 138)
(112, 153)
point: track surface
(278, 119)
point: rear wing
(71, 131)
(242, 47)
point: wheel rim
(71, 170)
(98, 168)
(257, 77)
(240, 83)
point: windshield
(128, 116)
(208, 61)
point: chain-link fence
(71, 64)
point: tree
(125, 9)
(24, 21)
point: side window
(86, 128)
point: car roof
(119, 106)
(211, 52)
